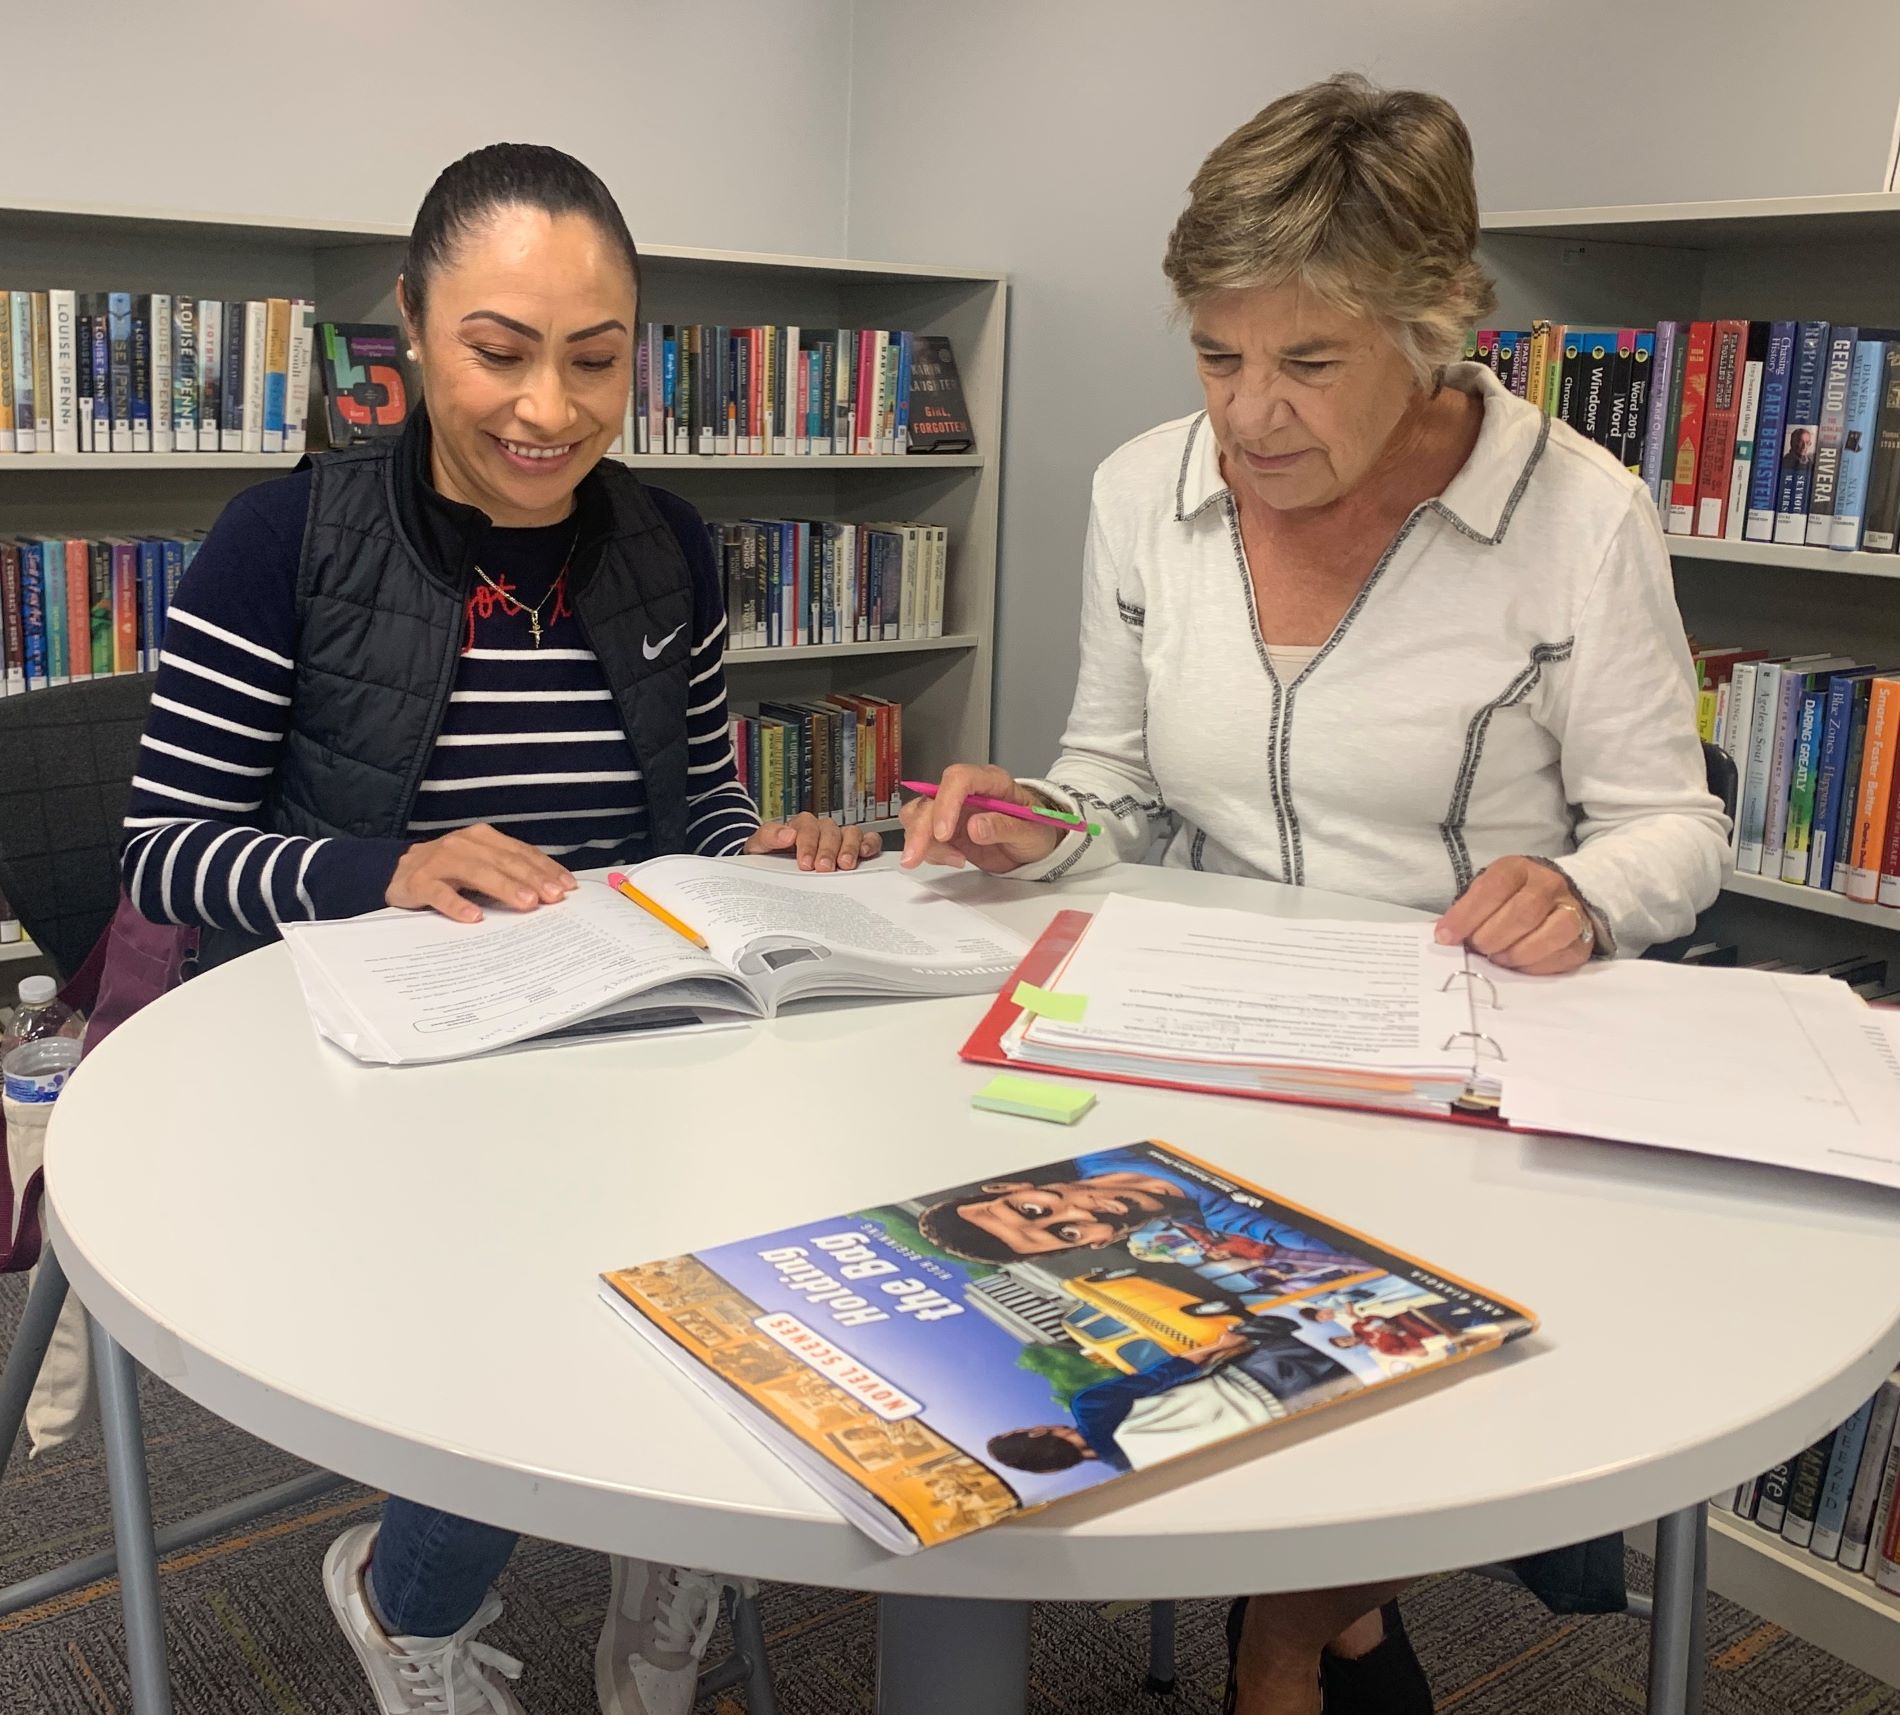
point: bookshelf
(1773, 258)
(349, 270)
(1768, 258)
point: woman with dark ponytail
(456, 664)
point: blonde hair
(1361, 194)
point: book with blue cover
(944, 1363)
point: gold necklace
(515, 603)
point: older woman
(1367, 622)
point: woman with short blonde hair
(1368, 622)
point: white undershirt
(1290, 660)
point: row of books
(1868, 974)
(793, 392)
(791, 581)
(85, 607)
(153, 372)
(1836, 1498)
(1813, 739)
(839, 756)
(1782, 432)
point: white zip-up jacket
(1513, 678)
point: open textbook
(1756, 1065)
(941, 1364)
(401, 987)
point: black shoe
(1236, 1620)
(1386, 1680)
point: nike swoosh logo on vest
(652, 650)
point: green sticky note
(1046, 1003)
(1008, 1094)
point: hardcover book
(365, 392)
(938, 417)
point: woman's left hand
(816, 841)
(1524, 916)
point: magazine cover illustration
(941, 1364)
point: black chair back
(67, 757)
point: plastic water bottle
(38, 1052)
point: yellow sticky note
(1046, 1003)
(1024, 1097)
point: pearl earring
(412, 354)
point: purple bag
(130, 966)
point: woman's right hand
(435, 875)
(941, 830)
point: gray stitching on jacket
(1131, 614)
(1510, 504)
(1452, 829)
(1273, 679)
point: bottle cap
(37, 991)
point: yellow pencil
(620, 884)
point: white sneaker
(415, 1676)
(659, 1619)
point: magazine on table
(404, 987)
(939, 1365)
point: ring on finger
(1586, 930)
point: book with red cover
(1715, 464)
(1685, 456)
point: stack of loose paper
(1335, 1011)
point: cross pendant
(534, 628)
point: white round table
(392, 1273)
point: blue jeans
(431, 1570)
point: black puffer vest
(382, 589)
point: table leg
(132, 1525)
(1672, 1626)
(30, 1340)
(945, 1656)
(1699, 1614)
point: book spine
(1887, 1561)
(1798, 439)
(9, 439)
(210, 375)
(1857, 445)
(1827, 786)
(900, 439)
(1830, 1513)
(163, 434)
(1655, 431)
(1763, 485)
(1787, 722)
(13, 613)
(35, 617)
(142, 372)
(1876, 787)
(276, 375)
(1715, 463)
(1835, 380)
(1761, 740)
(1883, 1515)
(119, 337)
(1882, 527)
(1804, 1492)
(1876, 1452)
(173, 569)
(62, 618)
(1741, 469)
(102, 372)
(303, 327)
(1850, 784)
(185, 373)
(844, 399)
(1794, 850)
(1617, 409)
(25, 434)
(760, 399)
(1772, 1509)
(127, 564)
(62, 308)
(251, 422)
(1887, 891)
(93, 562)
(1688, 442)
(235, 380)
(72, 558)
(1596, 358)
(42, 371)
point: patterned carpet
(250, 1634)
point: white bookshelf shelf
(29, 464)
(840, 651)
(1853, 218)
(1827, 904)
(1814, 560)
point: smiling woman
(451, 666)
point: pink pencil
(1003, 807)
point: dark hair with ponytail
(504, 175)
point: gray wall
(265, 107)
(1062, 135)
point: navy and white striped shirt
(531, 741)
